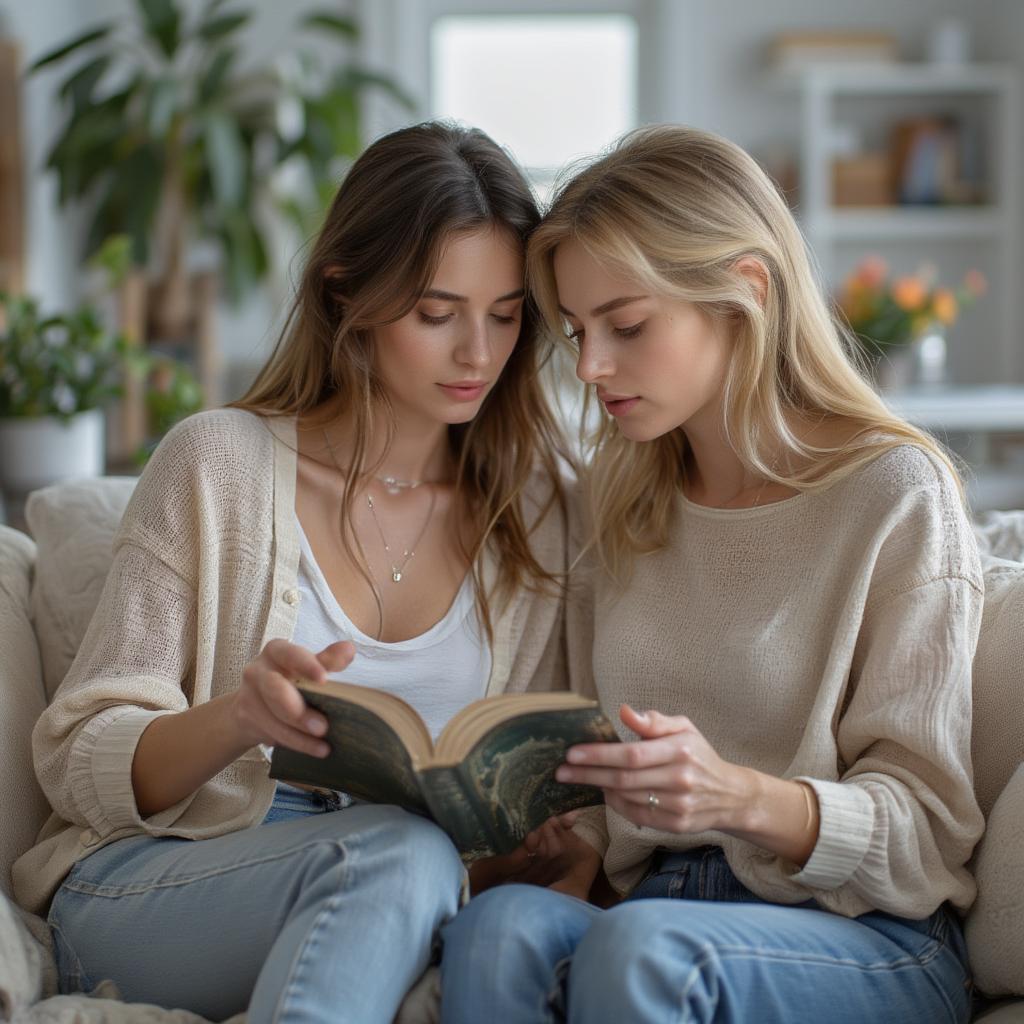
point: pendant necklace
(409, 553)
(393, 486)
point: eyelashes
(434, 321)
(620, 332)
(437, 321)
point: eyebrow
(607, 307)
(436, 293)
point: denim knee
(619, 966)
(418, 857)
(504, 914)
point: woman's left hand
(671, 779)
(552, 855)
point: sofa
(50, 583)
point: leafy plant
(173, 137)
(57, 365)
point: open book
(489, 779)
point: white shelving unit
(997, 223)
(971, 419)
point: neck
(715, 473)
(418, 449)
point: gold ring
(652, 801)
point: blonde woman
(782, 580)
(386, 499)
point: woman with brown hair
(386, 498)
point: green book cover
(488, 780)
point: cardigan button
(291, 596)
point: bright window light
(551, 88)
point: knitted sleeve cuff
(100, 767)
(591, 826)
(847, 818)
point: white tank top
(438, 672)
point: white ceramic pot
(36, 451)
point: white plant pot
(36, 451)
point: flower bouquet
(889, 314)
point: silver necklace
(410, 552)
(393, 486)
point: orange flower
(975, 283)
(871, 273)
(945, 305)
(908, 293)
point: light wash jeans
(693, 944)
(318, 914)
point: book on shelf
(488, 779)
(793, 52)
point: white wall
(701, 63)
(52, 237)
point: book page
(473, 722)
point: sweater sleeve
(592, 823)
(135, 661)
(901, 821)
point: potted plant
(56, 375)
(901, 322)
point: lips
(617, 405)
(464, 390)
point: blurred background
(164, 162)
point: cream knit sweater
(829, 638)
(203, 575)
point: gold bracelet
(811, 802)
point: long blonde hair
(376, 254)
(674, 209)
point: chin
(641, 432)
(461, 414)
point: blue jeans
(317, 914)
(693, 944)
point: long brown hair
(675, 208)
(376, 254)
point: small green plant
(56, 365)
(172, 393)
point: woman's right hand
(268, 707)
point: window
(551, 88)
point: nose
(474, 349)
(593, 363)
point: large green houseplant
(171, 136)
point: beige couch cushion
(22, 805)
(998, 732)
(995, 927)
(73, 525)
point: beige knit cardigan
(203, 576)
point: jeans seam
(113, 892)
(82, 981)
(309, 943)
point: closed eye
(630, 332)
(435, 320)
(503, 319)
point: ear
(756, 273)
